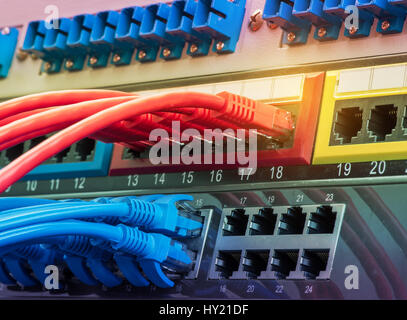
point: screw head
(5, 31)
(21, 55)
(116, 58)
(166, 52)
(256, 20)
(353, 30)
(69, 64)
(142, 54)
(385, 25)
(322, 32)
(220, 45)
(93, 61)
(291, 36)
(272, 25)
(193, 48)
(47, 66)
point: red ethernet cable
(55, 98)
(47, 121)
(228, 106)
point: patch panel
(358, 117)
(299, 94)
(300, 242)
(8, 43)
(112, 36)
(86, 158)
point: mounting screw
(220, 45)
(385, 25)
(68, 64)
(166, 52)
(47, 66)
(5, 31)
(291, 36)
(272, 25)
(116, 58)
(321, 32)
(256, 20)
(93, 61)
(21, 55)
(142, 54)
(353, 30)
(193, 48)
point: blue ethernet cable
(21, 217)
(153, 214)
(152, 250)
(12, 203)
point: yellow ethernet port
(363, 115)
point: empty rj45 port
(383, 120)
(313, 262)
(235, 224)
(263, 223)
(227, 262)
(14, 152)
(254, 262)
(283, 262)
(348, 123)
(322, 220)
(292, 222)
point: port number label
(245, 173)
(378, 167)
(187, 177)
(223, 288)
(8, 189)
(250, 288)
(300, 198)
(80, 183)
(344, 169)
(243, 200)
(329, 197)
(216, 176)
(271, 199)
(159, 178)
(276, 172)
(32, 185)
(54, 184)
(308, 289)
(279, 289)
(132, 180)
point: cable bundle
(136, 235)
(113, 116)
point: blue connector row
(111, 36)
(296, 18)
(140, 235)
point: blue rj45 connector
(139, 234)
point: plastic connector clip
(391, 18)
(222, 21)
(153, 28)
(180, 24)
(8, 43)
(327, 25)
(279, 12)
(79, 41)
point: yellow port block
(377, 81)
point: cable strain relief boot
(135, 242)
(257, 115)
(30, 252)
(141, 213)
(77, 245)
